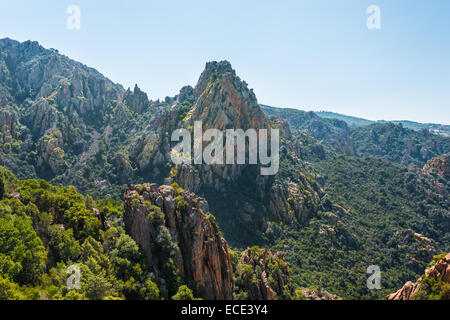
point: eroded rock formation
(201, 255)
(262, 274)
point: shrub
(184, 293)
(182, 205)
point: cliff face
(136, 100)
(201, 254)
(440, 271)
(221, 100)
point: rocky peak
(185, 92)
(213, 70)
(30, 71)
(223, 100)
(136, 100)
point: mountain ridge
(340, 197)
(353, 121)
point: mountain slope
(382, 139)
(71, 126)
(354, 122)
(171, 248)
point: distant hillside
(398, 144)
(393, 141)
(354, 122)
(440, 129)
(333, 133)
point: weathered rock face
(406, 292)
(289, 200)
(7, 125)
(440, 165)
(50, 75)
(41, 117)
(223, 100)
(440, 271)
(271, 272)
(136, 100)
(50, 153)
(202, 254)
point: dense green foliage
(397, 144)
(248, 278)
(385, 204)
(48, 228)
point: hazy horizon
(294, 54)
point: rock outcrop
(136, 100)
(7, 125)
(50, 153)
(439, 165)
(223, 101)
(262, 274)
(439, 271)
(201, 255)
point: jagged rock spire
(224, 100)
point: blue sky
(311, 55)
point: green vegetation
(181, 204)
(381, 205)
(184, 293)
(48, 228)
(248, 277)
(398, 144)
(395, 141)
(431, 288)
(332, 215)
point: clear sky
(311, 55)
